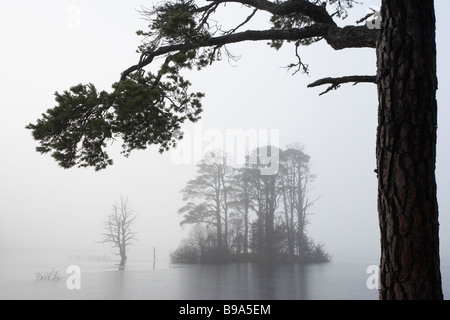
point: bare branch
(336, 82)
(300, 65)
(365, 18)
(243, 23)
(118, 229)
(207, 11)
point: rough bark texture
(406, 152)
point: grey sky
(48, 46)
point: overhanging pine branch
(336, 82)
(338, 38)
(315, 12)
(352, 37)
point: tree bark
(406, 152)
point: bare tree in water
(118, 230)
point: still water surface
(240, 281)
(338, 279)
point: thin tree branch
(338, 38)
(365, 18)
(243, 23)
(315, 12)
(336, 82)
(300, 65)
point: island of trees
(240, 214)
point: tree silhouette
(148, 108)
(117, 231)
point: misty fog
(50, 217)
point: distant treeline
(240, 214)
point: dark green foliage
(289, 21)
(176, 22)
(296, 20)
(141, 111)
(145, 110)
(76, 130)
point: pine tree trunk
(406, 152)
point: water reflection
(233, 281)
(285, 281)
(246, 281)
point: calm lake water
(339, 279)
